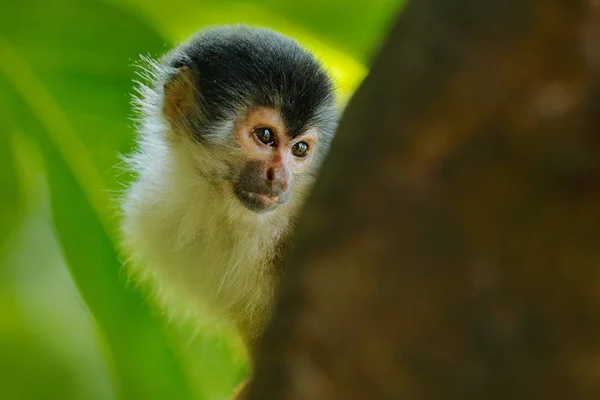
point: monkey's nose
(278, 179)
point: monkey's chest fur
(198, 249)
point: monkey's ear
(180, 103)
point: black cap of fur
(236, 67)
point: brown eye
(300, 149)
(265, 135)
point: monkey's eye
(265, 135)
(300, 149)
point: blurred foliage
(71, 326)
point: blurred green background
(71, 326)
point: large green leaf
(49, 101)
(11, 202)
(145, 364)
(83, 53)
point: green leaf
(146, 365)
(11, 201)
(49, 102)
(83, 53)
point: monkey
(233, 126)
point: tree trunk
(451, 249)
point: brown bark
(451, 249)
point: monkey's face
(274, 161)
(255, 111)
(262, 157)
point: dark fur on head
(238, 67)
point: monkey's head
(251, 111)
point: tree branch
(451, 249)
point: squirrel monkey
(232, 130)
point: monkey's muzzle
(258, 202)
